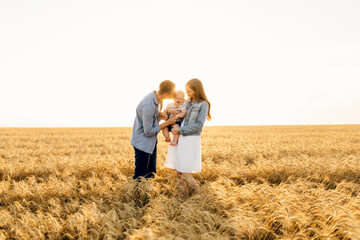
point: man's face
(172, 95)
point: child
(178, 108)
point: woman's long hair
(196, 85)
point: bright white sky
(88, 63)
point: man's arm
(163, 116)
(147, 118)
(171, 120)
(149, 128)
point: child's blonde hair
(180, 92)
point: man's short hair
(166, 86)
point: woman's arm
(198, 124)
(182, 114)
(172, 110)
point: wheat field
(257, 182)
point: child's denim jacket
(196, 114)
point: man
(146, 127)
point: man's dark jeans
(145, 164)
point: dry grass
(273, 182)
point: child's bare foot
(167, 140)
(173, 143)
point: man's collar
(155, 99)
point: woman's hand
(175, 129)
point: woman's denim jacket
(196, 114)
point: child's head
(179, 97)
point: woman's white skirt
(185, 157)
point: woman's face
(189, 92)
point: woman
(185, 157)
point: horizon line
(260, 125)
